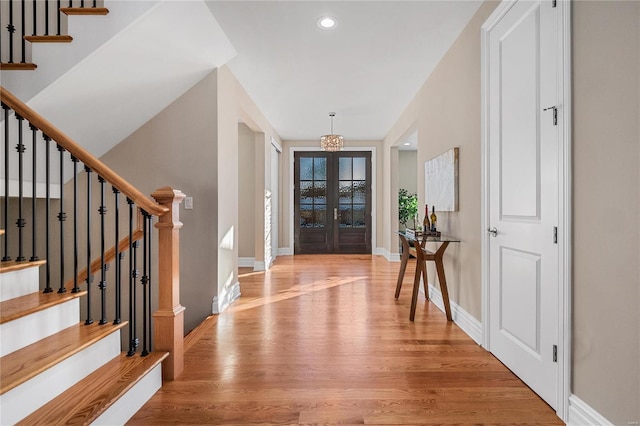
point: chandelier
(332, 142)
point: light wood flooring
(321, 340)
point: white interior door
(523, 189)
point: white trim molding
(222, 302)
(463, 319)
(285, 251)
(259, 265)
(246, 262)
(563, 102)
(391, 257)
(581, 414)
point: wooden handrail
(141, 200)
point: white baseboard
(222, 301)
(259, 265)
(581, 414)
(391, 257)
(246, 262)
(467, 322)
(285, 251)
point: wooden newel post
(168, 330)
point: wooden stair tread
(19, 307)
(84, 10)
(49, 38)
(28, 362)
(17, 66)
(12, 265)
(90, 397)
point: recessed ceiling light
(407, 143)
(327, 22)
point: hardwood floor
(320, 339)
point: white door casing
(524, 177)
(275, 197)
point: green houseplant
(407, 207)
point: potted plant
(407, 207)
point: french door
(332, 202)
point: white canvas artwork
(441, 181)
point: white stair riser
(132, 401)
(21, 401)
(24, 331)
(19, 283)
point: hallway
(320, 339)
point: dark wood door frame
(337, 206)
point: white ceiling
(367, 69)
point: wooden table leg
(416, 283)
(442, 279)
(403, 264)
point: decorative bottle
(426, 225)
(434, 218)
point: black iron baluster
(103, 268)
(46, 17)
(12, 29)
(47, 248)
(95, 3)
(23, 41)
(133, 274)
(20, 222)
(6, 256)
(118, 258)
(149, 234)
(35, 15)
(34, 197)
(59, 15)
(144, 281)
(89, 278)
(62, 216)
(76, 288)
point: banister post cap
(167, 195)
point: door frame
(564, 192)
(293, 150)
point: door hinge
(554, 3)
(555, 114)
(555, 235)
(555, 353)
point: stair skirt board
(19, 283)
(21, 401)
(24, 331)
(129, 404)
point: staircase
(55, 369)
(87, 331)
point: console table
(422, 256)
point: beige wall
(446, 114)
(286, 209)
(246, 187)
(177, 148)
(408, 171)
(606, 160)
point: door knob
(493, 231)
